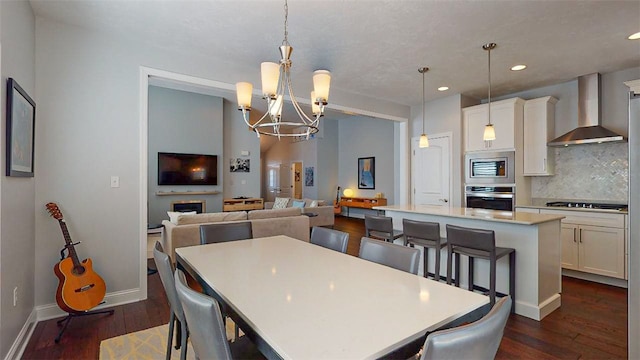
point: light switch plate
(115, 181)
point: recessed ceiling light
(518, 67)
(443, 88)
(635, 36)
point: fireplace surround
(199, 206)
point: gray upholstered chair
(427, 235)
(206, 326)
(380, 227)
(215, 233)
(329, 238)
(165, 269)
(479, 243)
(478, 340)
(392, 255)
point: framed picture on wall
(308, 176)
(21, 120)
(367, 173)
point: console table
(242, 204)
(361, 203)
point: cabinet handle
(574, 234)
(580, 235)
(544, 164)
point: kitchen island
(535, 237)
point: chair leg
(449, 265)
(457, 270)
(172, 319)
(471, 263)
(512, 280)
(436, 270)
(183, 344)
(425, 255)
(178, 334)
(492, 280)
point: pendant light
(424, 140)
(489, 131)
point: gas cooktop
(587, 205)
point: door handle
(443, 200)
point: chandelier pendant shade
(424, 140)
(489, 130)
(276, 87)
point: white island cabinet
(535, 237)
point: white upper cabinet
(506, 115)
(539, 128)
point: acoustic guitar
(79, 287)
(337, 209)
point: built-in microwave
(490, 168)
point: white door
(431, 176)
(277, 181)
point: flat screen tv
(187, 169)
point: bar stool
(381, 228)
(478, 243)
(427, 235)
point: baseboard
(595, 278)
(52, 311)
(18, 346)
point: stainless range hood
(589, 130)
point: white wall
(18, 207)
(183, 122)
(366, 137)
(328, 161)
(88, 86)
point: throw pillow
(298, 204)
(280, 203)
(314, 203)
(173, 215)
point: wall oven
(490, 197)
(490, 168)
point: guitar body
(80, 288)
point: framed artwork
(308, 176)
(367, 173)
(239, 165)
(21, 120)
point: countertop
(562, 208)
(522, 218)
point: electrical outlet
(15, 296)
(115, 181)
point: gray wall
(18, 206)
(183, 122)
(366, 137)
(238, 138)
(328, 162)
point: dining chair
(478, 340)
(380, 227)
(478, 243)
(427, 235)
(392, 255)
(206, 326)
(165, 269)
(221, 232)
(329, 238)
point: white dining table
(297, 300)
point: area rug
(146, 344)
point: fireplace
(189, 205)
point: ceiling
(374, 48)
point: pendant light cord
(423, 102)
(489, 105)
(286, 23)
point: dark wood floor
(591, 324)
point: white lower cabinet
(590, 248)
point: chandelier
(276, 85)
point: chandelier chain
(286, 24)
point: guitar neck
(67, 239)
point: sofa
(185, 229)
(324, 214)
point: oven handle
(490, 195)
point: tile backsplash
(587, 172)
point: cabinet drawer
(589, 218)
